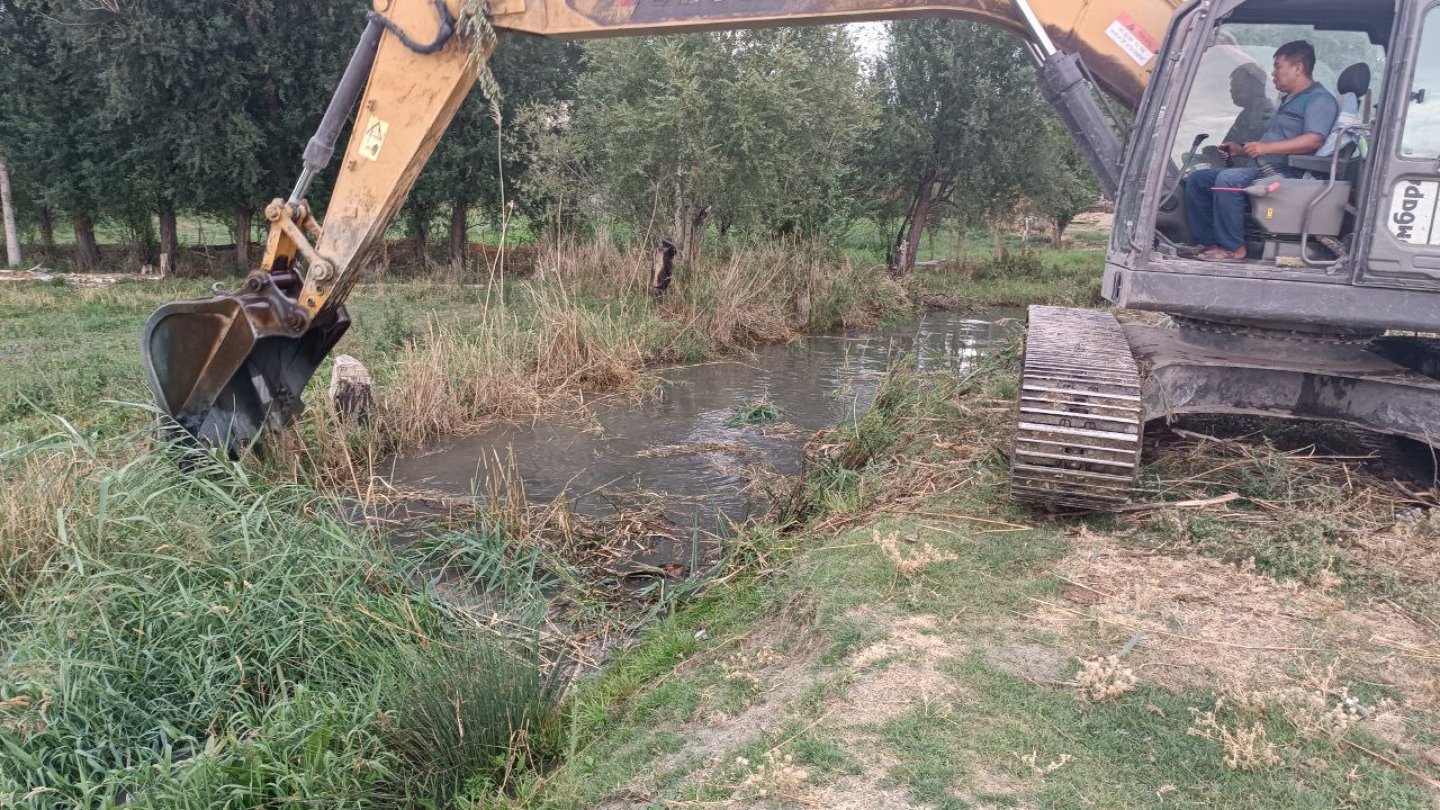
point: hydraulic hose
(447, 29)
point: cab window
(1421, 138)
(1233, 97)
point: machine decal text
(1133, 39)
(1412, 212)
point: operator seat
(1353, 92)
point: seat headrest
(1355, 79)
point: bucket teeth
(1080, 417)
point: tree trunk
(678, 235)
(87, 251)
(143, 248)
(7, 210)
(47, 231)
(907, 241)
(243, 214)
(905, 261)
(169, 242)
(662, 270)
(459, 234)
(698, 223)
(1001, 250)
(420, 237)
(1060, 223)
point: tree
(753, 130)
(7, 210)
(465, 171)
(1068, 186)
(50, 117)
(215, 102)
(965, 125)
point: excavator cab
(1341, 270)
(1302, 211)
(1313, 235)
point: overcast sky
(869, 39)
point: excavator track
(1081, 419)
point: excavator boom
(226, 368)
(1117, 38)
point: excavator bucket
(226, 368)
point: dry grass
(582, 324)
(1102, 678)
(909, 562)
(34, 488)
(1246, 747)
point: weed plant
(754, 413)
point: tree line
(135, 113)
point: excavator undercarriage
(1089, 385)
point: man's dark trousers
(1217, 215)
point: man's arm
(1307, 144)
(1320, 116)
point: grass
(200, 637)
(899, 634)
(209, 634)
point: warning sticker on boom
(1412, 212)
(374, 138)
(1133, 39)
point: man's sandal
(1222, 255)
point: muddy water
(674, 453)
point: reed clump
(585, 322)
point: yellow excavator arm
(1120, 57)
(224, 369)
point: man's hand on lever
(1307, 144)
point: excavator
(1323, 320)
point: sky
(869, 38)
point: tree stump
(352, 389)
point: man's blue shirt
(1313, 109)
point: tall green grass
(200, 637)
